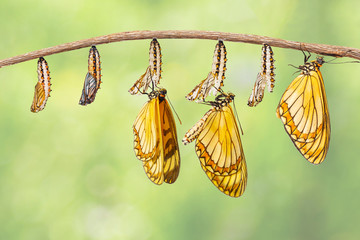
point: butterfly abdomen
(194, 132)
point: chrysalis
(93, 78)
(264, 77)
(215, 78)
(42, 87)
(152, 74)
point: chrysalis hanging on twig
(152, 74)
(93, 78)
(215, 78)
(42, 87)
(264, 77)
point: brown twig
(322, 49)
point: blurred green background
(69, 172)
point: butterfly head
(320, 61)
(162, 92)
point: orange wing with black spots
(304, 112)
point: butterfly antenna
(237, 117)
(174, 109)
(330, 62)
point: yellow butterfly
(155, 139)
(218, 146)
(304, 112)
(93, 78)
(42, 87)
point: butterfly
(303, 109)
(93, 78)
(264, 77)
(218, 146)
(42, 87)
(155, 139)
(215, 78)
(152, 75)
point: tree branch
(322, 49)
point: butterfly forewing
(170, 143)
(42, 87)
(304, 112)
(218, 145)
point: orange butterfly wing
(170, 143)
(304, 112)
(220, 152)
